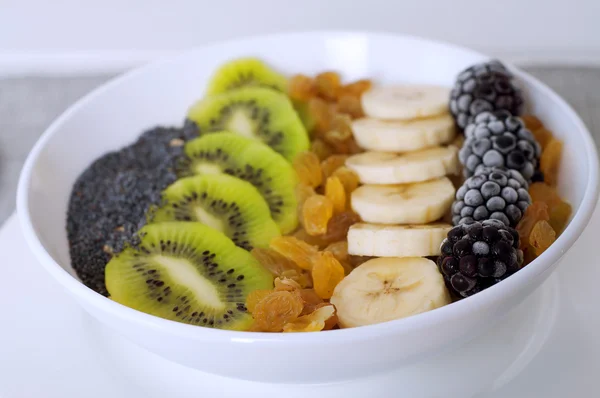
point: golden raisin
(300, 276)
(338, 137)
(302, 235)
(322, 113)
(559, 216)
(255, 296)
(277, 309)
(550, 161)
(308, 167)
(350, 105)
(332, 163)
(355, 89)
(296, 250)
(543, 137)
(321, 149)
(286, 284)
(328, 85)
(532, 122)
(333, 320)
(303, 192)
(311, 300)
(254, 327)
(541, 237)
(314, 322)
(343, 124)
(327, 272)
(316, 213)
(273, 261)
(535, 212)
(302, 88)
(348, 178)
(353, 147)
(542, 192)
(338, 226)
(339, 250)
(337, 141)
(334, 190)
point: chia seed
(110, 198)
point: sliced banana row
(405, 192)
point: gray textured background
(28, 106)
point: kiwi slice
(187, 272)
(251, 161)
(244, 72)
(254, 112)
(224, 203)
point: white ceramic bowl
(160, 93)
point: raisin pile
(548, 214)
(328, 107)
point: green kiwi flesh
(189, 273)
(254, 112)
(244, 72)
(252, 161)
(224, 203)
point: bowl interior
(161, 93)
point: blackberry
(485, 117)
(483, 87)
(478, 255)
(492, 193)
(500, 143)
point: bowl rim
(412, 323)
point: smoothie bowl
(273, 207)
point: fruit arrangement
(299, 204)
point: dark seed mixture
(110, 198)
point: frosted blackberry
(484, 87)
(500, 143)
(485, 117)
(478, 255)
(496, 194)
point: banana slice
(416, 203)
(384, 289)
(406, 101)
(377, 240)
(403, 136)
(391, 168)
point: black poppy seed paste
(110, 198)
